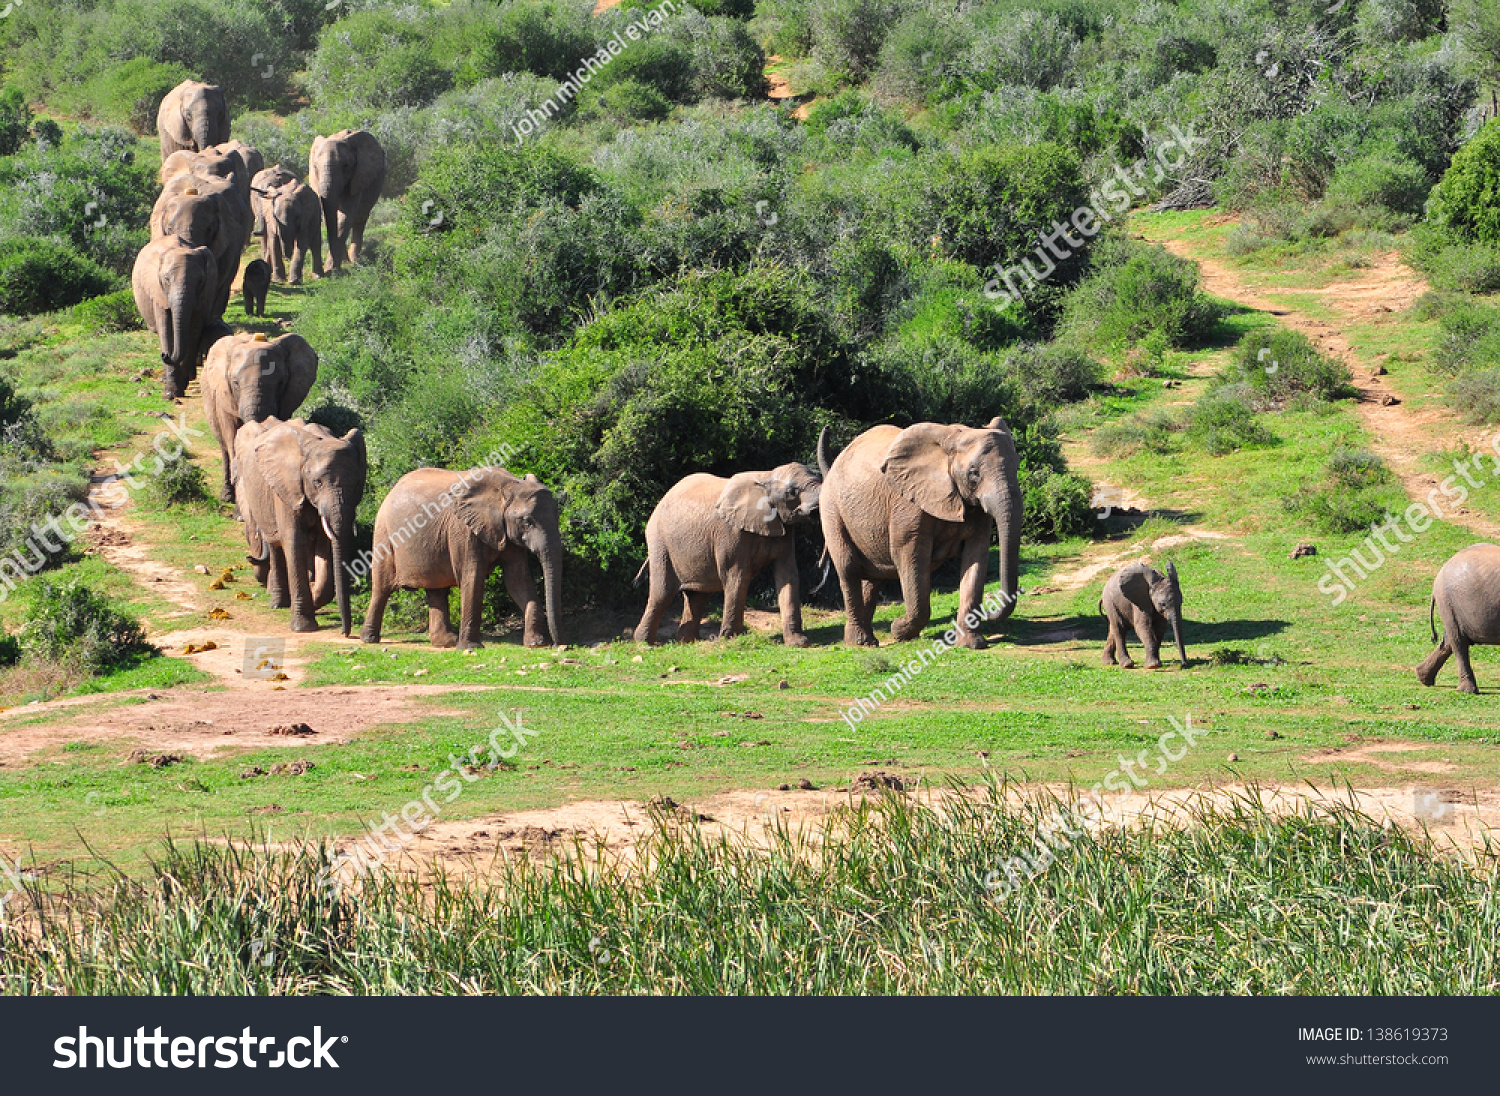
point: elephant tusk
(328, 528)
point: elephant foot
(1428, 679)
(1468, 687)
(367, 636)
(535, 640)
(640, 635)
(226, 493)
(474, 645)
(796, 639)
(305, 625)
(1153, 664)
(282, 602)
(972, 640)
(730, 633)
(443, 640)
(859, 637)
(903, 630)
(1127, 664)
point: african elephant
(439, 529)
(1146, 601)
(709, 534)
(292, 223)
(261, 185)
(1466, 596)
(205, 212)
(192, 116)
(347, 171)
(251, 378)
(255, 283)
(297, 484)
(896, 503)
(175, 285)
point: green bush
(129, 93)
(109, 314)
(1467, 198)
(1468, 337)
(625, 102)
(15, 121)
(42, 275)
(1136, 290)
(10, 650)
(1274, 364)
(548, 38)
(1453, 263)
(1055, 505)
(1476, 395)
(847, 34)
(1049, 374)
(727, 61)
(1223, 420)
(70, 623)
(1388, 181)
(1154, 431)
(378, 59)
(180, 482)
(1355, 491)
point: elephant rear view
(347, 170)
(709, 534)
(1466, 598)
(1142, 599)
(251, 378)
(439, 529)
(192, 116)
(896, 503)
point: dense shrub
(1467, 198)
(1152, 431)
(727, 61)
(1475, 395)
(1468, 336)
(1136, 290)
(549, 38)
(179, 483)
(109, 314)
(1031, 49)
(15, 121)
(379, 58)
(70, 623)
(1355, 491)
(1055, 504)
(1054, 373)
(1389, 182)
(1275, 364)
(1223, 420)
(10, 650)
(39, 274)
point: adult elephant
(1466, 598)
(709, 534)
(175, 285)
(896, 503)
(439, 529)
(297, 484)
(192, 116)
(205, 212)
(251, 378)
(347, 171)
(262, 184)
(292, 223)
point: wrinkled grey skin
(897, 503)
(205, 212)
(709, 534)
(261, 184)
(347, 170)
(1466, 597)
(175, 286)
(439, 529)
(255, 283)
(192, 116)
(1143, 599)
(291, 219)
(250, 378)
(298, 487)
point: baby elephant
(1146, 601)
(254, 285)
(1466, 595)
(709, 534)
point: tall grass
(1326, 901)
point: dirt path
(1400, 435)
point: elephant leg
(914, 565)
(1112, 644)
(315, 246)
(858, 610)
(323, 588)
(1121, 650)
(471, 604)
(382, 579)
(226, 490)
(736, 592)
(299, 564)
(278, 260)
(694, 609)
(521, 586)
(1148, 631)
(1460, 644)
(789, 598)
(276, 579)
(976, 560)
(664, 588)
(1428, 671)
(439, 626)
(299, 257)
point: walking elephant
(1466, 597)
(298, 487)
(896, 503)
(251, 378)
(709, 534)
(347, 171)
(262, 183)
(292, 228)
(192, 116)
(1142, 599)
(175, 285)
(255, 283)
(205, 212)
(439, 529)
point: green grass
(892, 900)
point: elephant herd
(217, 195)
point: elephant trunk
(1005, 509)
(823, 462)
(340, 530)
(1177, 634)
(551, 559)
(179, 309)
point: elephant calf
(439, 529)
(255, 284)
(1145, 600)
(1466, 595)
(709, 534)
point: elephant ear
(745, 504)
(278, 455)
(997, 423)
(917, 466)
(301, 372)
(482, 504)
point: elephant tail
(1101, 609)
(1431, 608)
(641, 574)
(825, 561)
